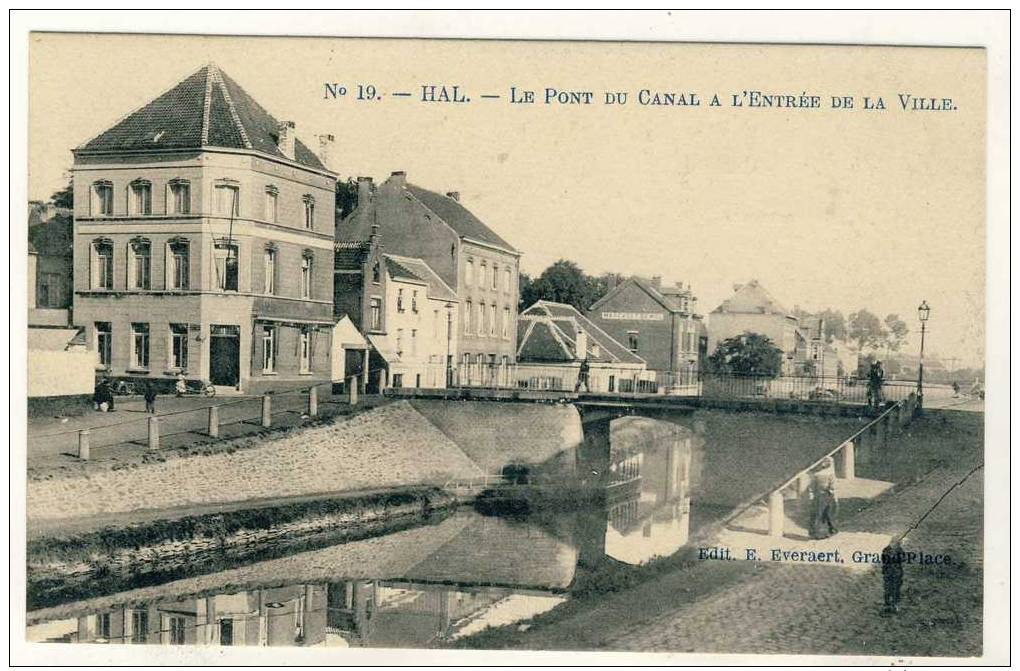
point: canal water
(666, 481)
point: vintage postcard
(341, 346)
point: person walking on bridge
(582, 376)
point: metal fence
(837, 389)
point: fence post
(848, 460)
(777, 516)
(313, 402)
(352, 390)
(83, 444)
(214, 421)
(267, 410)
(153, 433)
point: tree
(64, 197)
(747, 354)
(527, 294)
(865, 329)
(835, 324)
(563, 282)
(346, 197)
(896, 332)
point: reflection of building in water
(292, 615)
(650, 491)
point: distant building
(554, 339)
(203, 242)
(406, 311)
(752, 309)
(50, 264)
(469, 257)
(659, 324)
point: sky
(826, 208)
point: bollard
(83, 444)
(847, 453)
(352, 390)
(313, 402)
(267, 411)
(777, 516)
(214, 421)
(153, 433)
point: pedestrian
(150, 398)
(892, 576)
(106, 389)
(826, 508)
(876, 378)
(582, 376)
(181, 385)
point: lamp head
(923, 311)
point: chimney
(365, 188)
(737, 287)
(398, 177)
(580, 344)
(373, 239)
(285, 138)
(326, 149)
(453, 194)
(657, 281)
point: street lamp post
(923, 312)
(449, 338)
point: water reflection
(419, 587)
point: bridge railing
(844, 455)
(839, 389)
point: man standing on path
(892, 576)
(150, 398)
(876, 378)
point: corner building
(203, 242)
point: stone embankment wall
(395, 445)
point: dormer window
(102, 199)
(140, 197)
(309, 212)
(179, 200)
(271, 207)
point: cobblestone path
(823, 609)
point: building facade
(556, 339)
(203, 242)
(406, 311)
(752, 309)
(50, 264)
(477, 264)
(659, 324)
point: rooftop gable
(752, 298)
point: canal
(666, 482)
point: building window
(309, 212)
(305, 347)
(466, 360)
(506, 323)
(414, 342)
(140, 197)
(269, 349)
(306, 276)
(271, 210)
(139, 264)
(177, 627)
(104, 343)
(469, 272)
(226, 632)
(179, 201)
(139, 625)
(376, 273)
(492, 319)
(102, 264)
(225, 259)
(632, 341)
(468, 316)
(177, 266)
(269, 271)
(179, 346)
(227, 200)
(400, 300)
(495, 277)
(375, 314)
(481, 319)
(507, 277)
(103, 626)
(140, 346)
(435, 324)
(414, 301)
(102, 199)
(483, 270)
